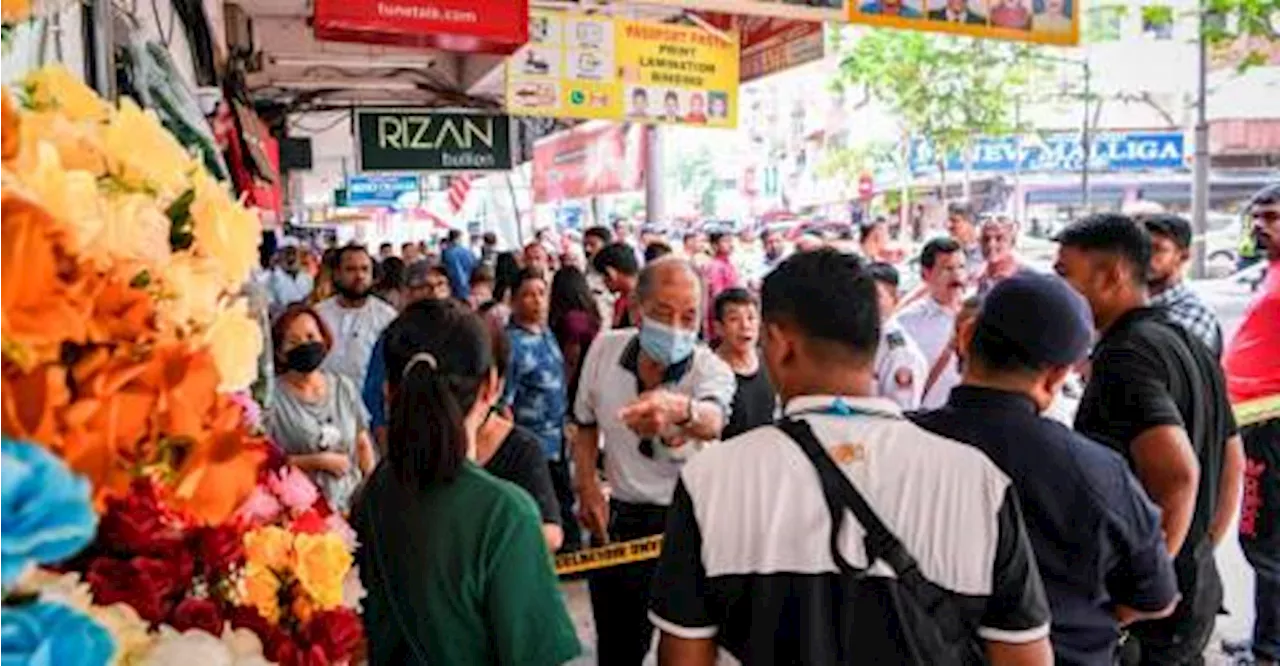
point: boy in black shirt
(738, 327)
(1157, 395)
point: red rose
(194, 613)
(248, 617)
(147, 584)
(305, 656)
(138, 524)
(338, 631)
(220, 548)
(309, 522)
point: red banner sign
(471, 26)
(589, 160)
(770, 44)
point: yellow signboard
(578, 66)
(1039, 21)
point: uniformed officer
(900, 366)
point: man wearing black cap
(1158, 396)
(1095, 534)
(1170, 252)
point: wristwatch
(688, 415)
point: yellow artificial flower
(71, 196)
(269, 547)
(235, 341)
(321, 562)
(55, 88)
(135, 229)
(144, 155)
(191, 287)
(79, 143)
(261, 590)
(225, 230)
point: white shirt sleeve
(714, 381)
(584, 404)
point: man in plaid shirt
(1170, 251)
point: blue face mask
(666, 344)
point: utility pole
(655, 209)
(1086, 138)
(1200, 182)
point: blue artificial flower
(46, 511)
(51, 634)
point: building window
(1105, 23)
(1157, 21)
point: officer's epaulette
(895, 339)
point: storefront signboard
(1038, 21)
(1111, 151)
(589, 160)
(596, 67)
(424, 140)
(381, 190)
(469, 26)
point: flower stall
(146, 518)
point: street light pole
(1086, 139)
(1200, 184)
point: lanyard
(841, 408)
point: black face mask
(305, 357)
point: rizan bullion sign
(578, 66)
(422, 140)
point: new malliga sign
(420, 140)
(1112, 151)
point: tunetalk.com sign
(451, 25)
(430, 12)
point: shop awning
(1104, 194)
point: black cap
(1170, 226)
(1041, 315)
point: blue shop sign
(381, 191)
(1061, 152)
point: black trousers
(1260, 531)
(562, 483)
(1181, 638)
(620, 595)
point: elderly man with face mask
(651, 397)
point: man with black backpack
(845, 534)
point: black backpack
(919, 616)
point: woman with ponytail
(453, 559)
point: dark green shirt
(472, 579)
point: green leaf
(179, 213)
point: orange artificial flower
(10, 125)
(41, 310)
(262, 591)
(32, 401)
(121, 311)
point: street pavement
(1228, 299)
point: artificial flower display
(146, 517)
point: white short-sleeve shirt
(355, 331)
(932, 326)
(609, 382)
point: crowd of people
(475, 412)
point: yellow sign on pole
(593, 67)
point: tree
(944, 90)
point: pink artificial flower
(251, 415)
(340, 527)
(293, 488)
(260, 507)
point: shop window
(1157, 21)
(1105, 23)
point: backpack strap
(881, 543)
